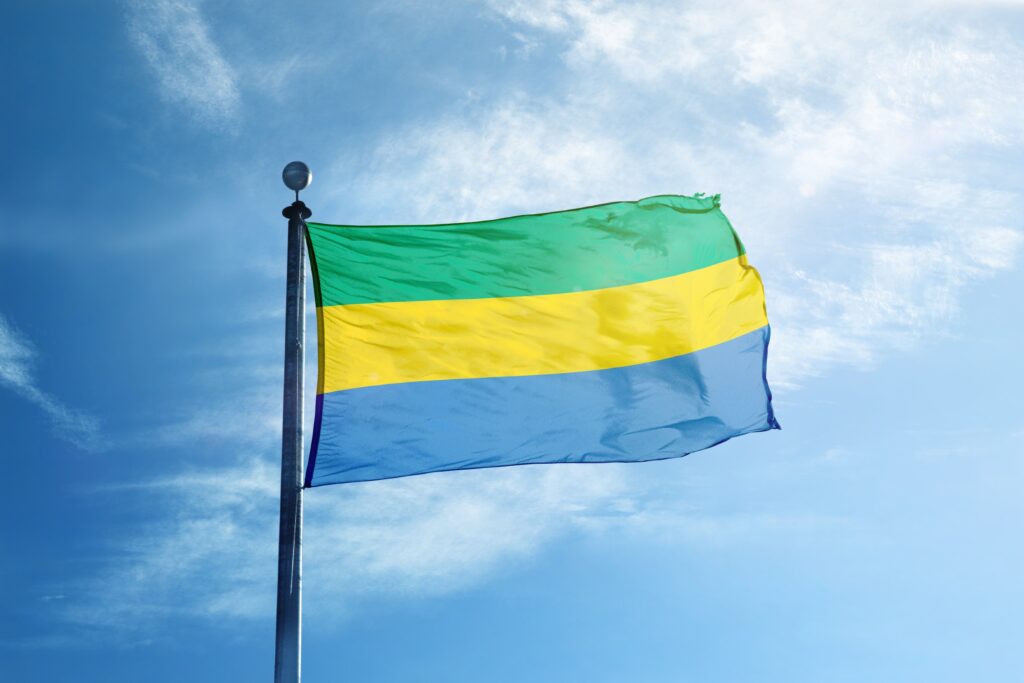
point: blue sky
(870, 157)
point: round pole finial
(297, 176)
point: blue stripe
(658, 410)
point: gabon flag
(622, 332)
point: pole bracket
(297, 210)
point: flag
(622, 332)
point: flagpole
(288, 650)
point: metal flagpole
(288, 652)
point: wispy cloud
(17, 357)
(175, 40)
(905, 291)
(254, 419)
(426, 535)
(512, 155)
(212, 561)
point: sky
(870, 156)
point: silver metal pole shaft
(288, 655)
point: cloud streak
(175, 41)
(17, 357)
(426, 535)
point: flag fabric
(622, 332)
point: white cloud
(211, 558)
(251, 418)
(214, 560)
(441, 532)
(16, 372)
(743, 41)
(905, 292)
(175, 40)
(514, 155)
(215, 557)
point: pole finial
(297, 176)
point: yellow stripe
(385, 343)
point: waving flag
(622, 332)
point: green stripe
(609, 245)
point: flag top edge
(705, 203)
